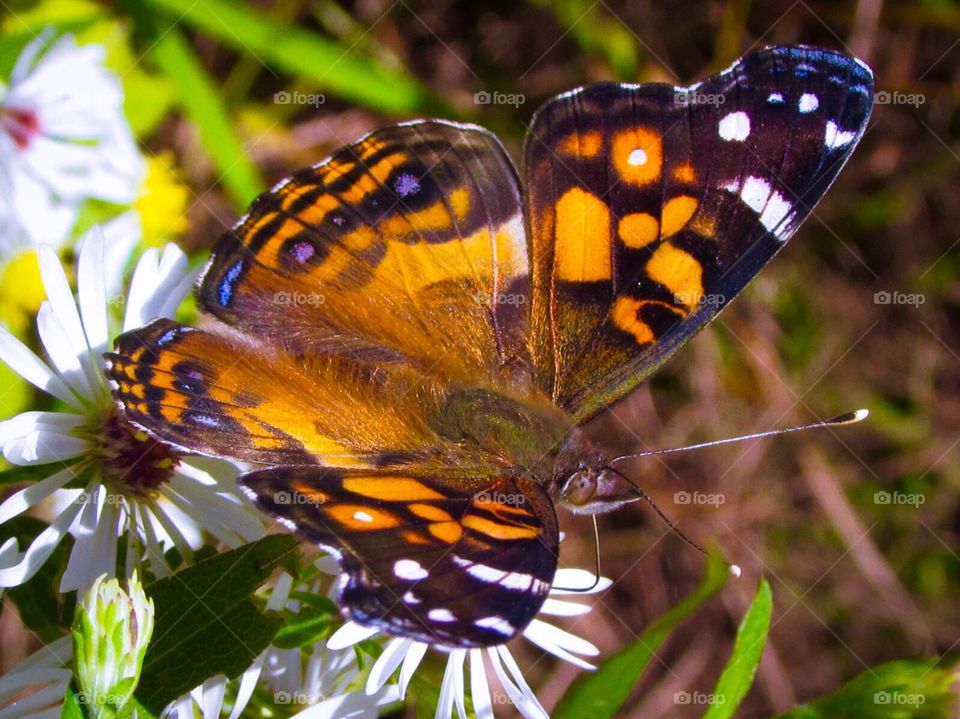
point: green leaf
(207, 621)
(306, 54)
(737, 675)
(601, 694)
(202, 103)
(309, 624)
(32, 472)
(72, 708)
(895, 690)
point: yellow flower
(21, 291)
(163, 203)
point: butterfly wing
(408, 244)
(461, 564)
(651, 207)
(226, 394)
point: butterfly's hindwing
(424, 558)
(650, 207)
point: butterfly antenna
(838, 421)
(660, 513)
(596, 557)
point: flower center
(22, 125)
(133, 462)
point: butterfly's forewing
(457, 564)
(229, 395)
(407, 245)
(651, 207)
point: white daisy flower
(323, 681)
(116, 481)
(406, 654)
(34, 689)
(63, 138)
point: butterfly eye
(579, 488)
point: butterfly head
(584, 481)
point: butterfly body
(411, 343)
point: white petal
(92, 291)
(447, 686)
(349, 634)
(479, 688)
(64, 307)
(213, 692)
(31, 496)
(95, 549)
(457, 658)
(25, 363)
(12, 575)
(42, 437)
(520, 693)
(248, 683)
(56, 341)
(560, 608)
(410, 664)
(546, 641)
(561, 638)
(387, 664)
(578, 581)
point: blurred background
(857, 529)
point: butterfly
(410, 340)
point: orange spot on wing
(391, 489)
(460, 202)
(676, 213)
(685, 173)
(311, 493)
(429, 511)
(678, 271)
(448, 532)
(414, 537)
(498, 530)
(362, 517)
(582, 248)
(637, 155)
(625, 316)
(638, 229)
(373, 178)
(585, 145)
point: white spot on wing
(775, 98)
(409, 569)
(637, 157)
(410, 598)
(441, 615)
(759, 196)
(808, 102)
(735, 126)
(361, 516)
(497, 624)
(835, 137)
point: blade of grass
(601, 694)
(737, 675)
(303, 53)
